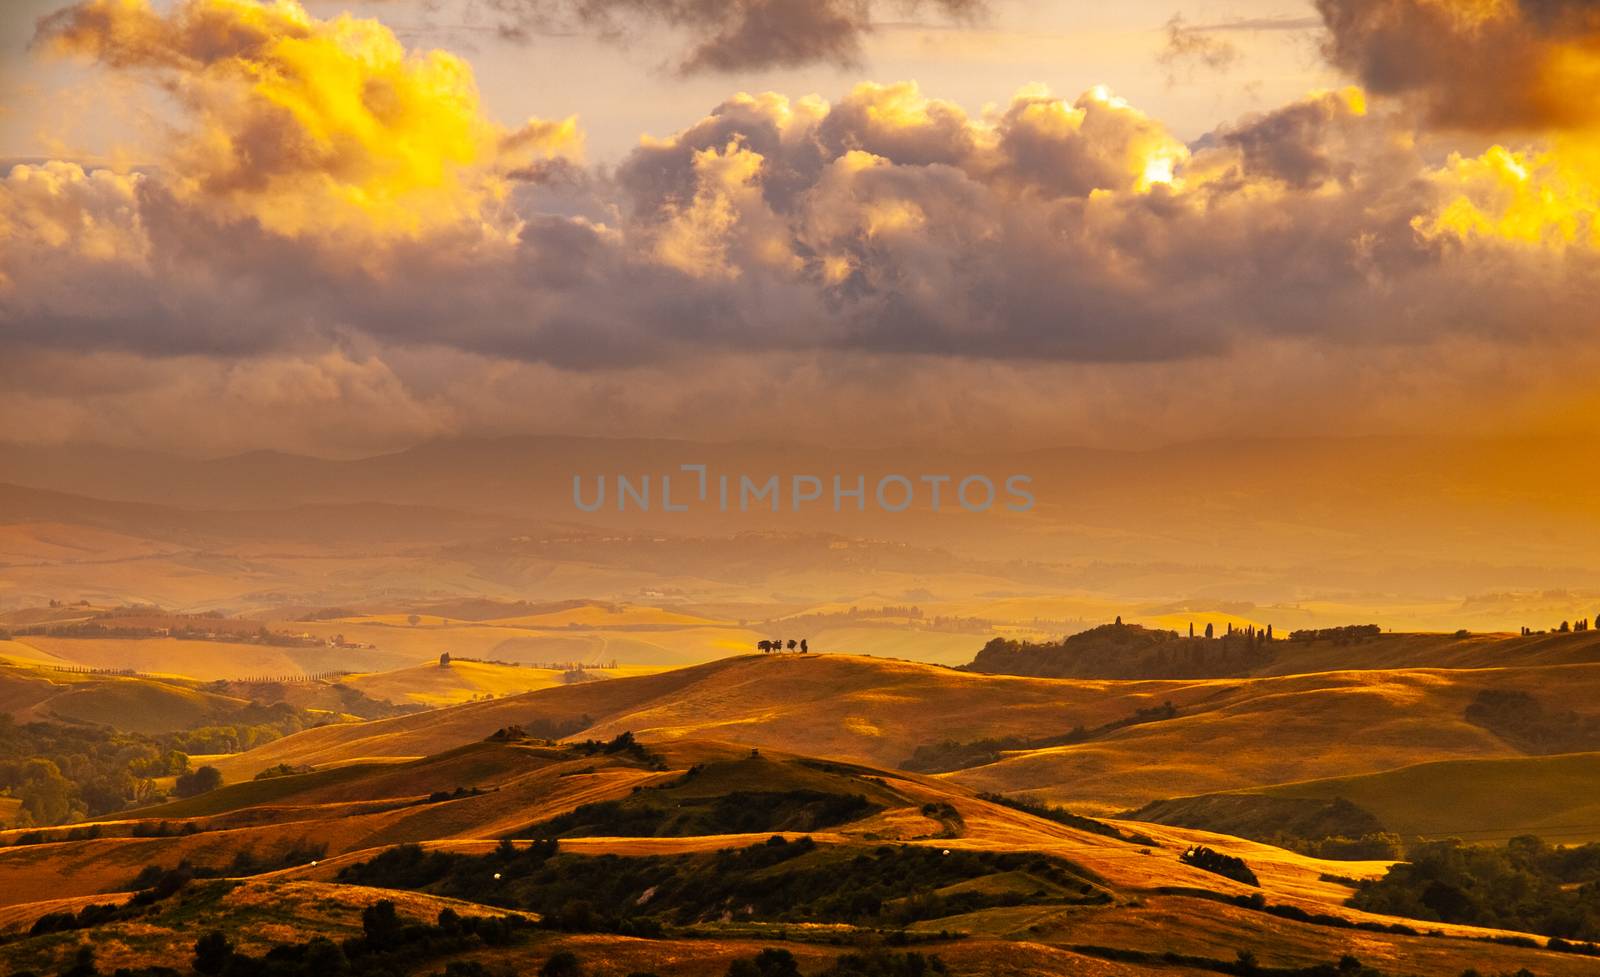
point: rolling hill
(1223, 734)
(31, 693)
(1478, 801)
(701, 814)
(661, 827)
(464, 680)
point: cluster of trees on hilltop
(1349, 632)
(739, 812)
(1527, 886)
(1567, 627)
(770, 962)
(1128, 651)
(1219, 863)
(865, 963)
(388, 944)
(187, 632)
(891, 885)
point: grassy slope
(1260, 731)
(142, 705)
(299, 900)
(210, 660)
(430, 685)
(1437, 651)
(659, 644)
(601, 615)
(257, 914)
(859, 708)
(1477, 800)
(1230, 733)
(23, 654)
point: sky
(625, 87)
(342, 228)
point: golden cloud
(1541, 198)
(889, 221)
(314, 128)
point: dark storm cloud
(731, 35)
(1511, 65)
(1304, 144)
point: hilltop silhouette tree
(1211, 631)
(562, 963)
(771, 962)
(764, 645)
(413, 620)
(380, 923)
(804, 648)
(212, 952)
(82, 964)
(793, 644)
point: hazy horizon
(799, 488)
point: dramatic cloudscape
(338, 219)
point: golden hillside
(1085, 902)
(1225, 734)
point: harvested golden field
(1226, 733)
(594, 615)
(206, 660)
(643, 644)
(1153, 903)
(430, 684)
(33, 692)
(731, 758)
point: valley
(711, 798)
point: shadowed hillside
(667, 856)
(1477, 800)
